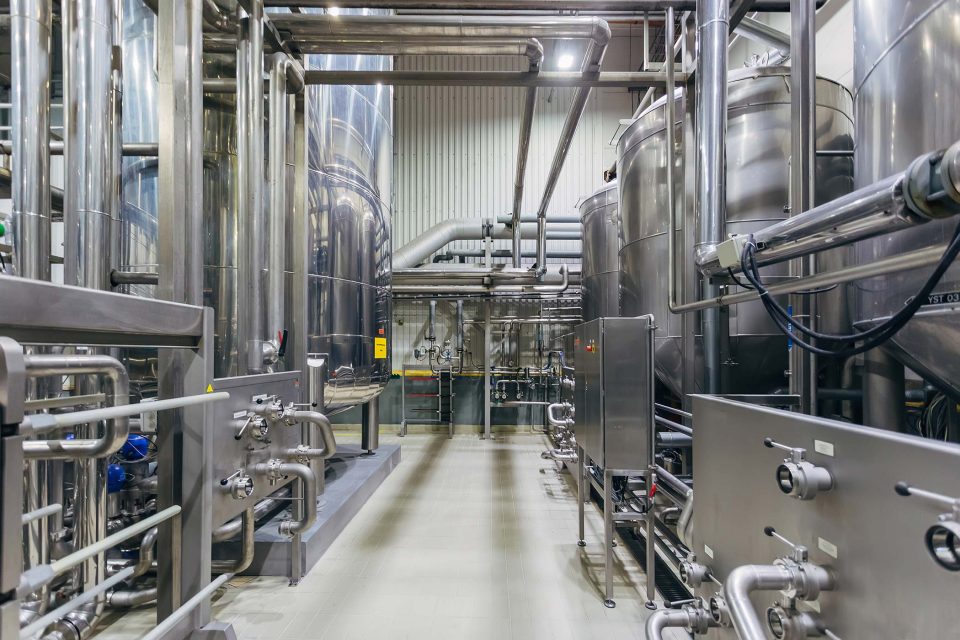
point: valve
(808, 579)
(692, 573)
(239, 485)
(787, 623)
(797, 477)
(942, 539)
(719, 611)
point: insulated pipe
(443, 233)
(530, 48)
(460, 327)
(282, 68)
(117, 390)
(660, 620)
(898, 202)
(591, 63)
(255, 350)
(711, 179)
(737, 588)
(275, 470)
(241, 564)
(764, 33)
(30, 28)
(603, 79)
(91, 214)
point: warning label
(380, 348)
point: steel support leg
(651, 521)
(608, 538)
(583, 493)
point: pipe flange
(700, 620)
(803, 480)
(943, 542)
(719, 610)
(930, 187)
(693, 574)
(786, 623)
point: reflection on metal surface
(758, 154)
(600, 275)
(897, 74)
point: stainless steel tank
(350, 194)
(758, 154)
(350, 153)
(139, 241)
(905, 72)
(600, 276)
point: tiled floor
(465, 539)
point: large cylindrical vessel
(349, 195)
(600, 276)
(350, 172)
(758, 169)
(906, 55)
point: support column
(370, 434)
(803, 136)
(487, 365)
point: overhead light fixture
(565, 61)
(334, 11)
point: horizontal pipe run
(387, 45)
(44, 404)
(170, 622)
(41, 575)
(638, 6)
(41, 423)
(231, 528)
(902, 262)
(120, 278)
(533, 218)
(673, 426)
(117, 427)
(42, 512)
(764, 33)
(602, 79)
(134, 149)
(677, 412)
(73, 604)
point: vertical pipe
(883, 391)
(523, 151)
(460, 329)
(276, 251)
(803, 139)
(370, 436)
(671, 113)
(487, 366)
(91, 151)
(250, 178)
(30, 27)
(432, 322)
(713, 18)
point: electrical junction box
(730, 250)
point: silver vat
(600, 276)
(905, 75)
(758, 155)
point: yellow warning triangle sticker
(209, 388)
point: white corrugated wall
(456, 155)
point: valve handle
(771, 532)
(282, 349)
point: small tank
(755, 359)
(600, 279)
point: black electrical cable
(872, 337)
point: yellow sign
(380, 348)
(209, 388)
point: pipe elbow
(534, 53)
(601, 32)
(323, 424)
(663, 619)
(309, 480)
(737, 588)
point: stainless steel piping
(711, 176)
(322, 423)
(432, 322)
(117, 390)
(636, 6)
(255, 350)
(603, 79)
(459, 343)
(660, 620)
(737, 588)
(523, 151)
(135, 597)
(591, 64)
(230, 529)
(529, 48)
(764, 33)
(241, 564)
(91, 147)
(30, 68)
(277, 469)
(218, 19)
(284, 71)
(451, 230)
